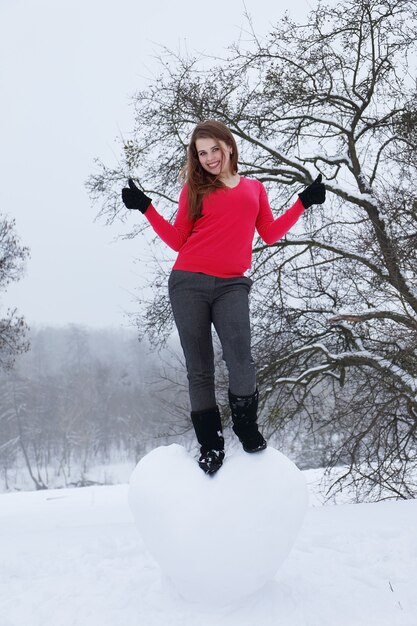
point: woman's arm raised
(174, 235)
(270, 229)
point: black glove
(134, 198)
(314, 193)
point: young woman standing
(213, 232)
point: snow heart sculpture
(222, 537)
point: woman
(213, 231)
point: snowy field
(74, 557)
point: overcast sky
(68, 71)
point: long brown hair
(199, 181)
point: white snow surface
(218, 538)
(74, 557)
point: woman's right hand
(134, 198)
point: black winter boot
(208, 429)
(244, 415)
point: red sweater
(219, 243)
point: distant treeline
(81, 397)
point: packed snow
(218, 538)
(74, 557)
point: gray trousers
(198, 301)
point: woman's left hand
(314, 193)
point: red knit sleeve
(176, 234)
(271, 229)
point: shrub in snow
(218, 538)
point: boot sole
(257, 449)
(210, 470)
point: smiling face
(214, 155)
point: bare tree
(335, 302)
(13, 331)
(12, 260)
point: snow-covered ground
(74, 557)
